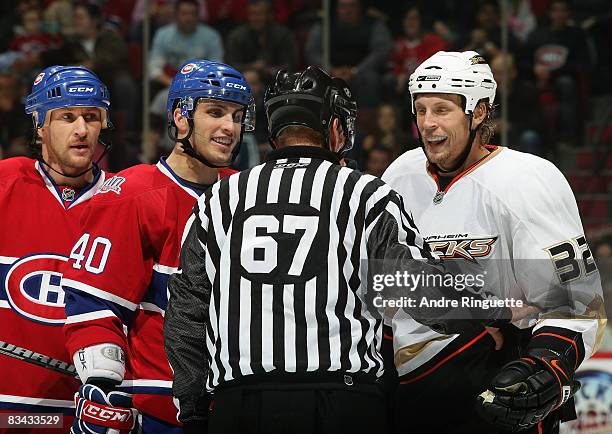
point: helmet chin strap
(464, 154)
(190, 150)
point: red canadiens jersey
(38, 224)
(116, 277)
(406, 56)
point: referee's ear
(336, 136)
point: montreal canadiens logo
(33, 288)
(188, 68)
(39, 78)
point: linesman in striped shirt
(269, 310)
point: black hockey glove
(526, 390)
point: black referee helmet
(311, 98)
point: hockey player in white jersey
(512, 217)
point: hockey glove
(102, 413)
(526, 390)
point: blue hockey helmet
(199, 78)
(67, 86)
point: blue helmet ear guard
(204, 79)
(67, 86)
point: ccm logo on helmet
(236, 86)
(81, 89)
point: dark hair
(491, 3)
(411, 7)
(178, 3)
(93, 10)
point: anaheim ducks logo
(468, 249)
(478, 60)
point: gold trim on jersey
(409, 352)
(595, 310)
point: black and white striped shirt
(273, 273)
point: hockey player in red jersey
(42, 200)
(508, 216)
(129, 245)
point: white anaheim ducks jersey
(511, 217)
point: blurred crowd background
(552, 60)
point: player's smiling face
(70, 137)
(443, 126)
(217, 129)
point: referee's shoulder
(371, 181)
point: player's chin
(221, 158)
(79, 160)
(435, 156)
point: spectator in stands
(59, 17)
(558, 56)
(100, 49)
(15, 128)
(8, 17)
(525, 118)
(360, 47)
(599, 31)
(377, 161)
(225, 15)
(161, 13)
(30, 36)
(521, 20)
(185, 39)
(409, 50)
(602, 249)
(254, 78)
(105, 52)
(29, 41)
(261, 43)
(387, 133)
(485, 35)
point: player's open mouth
(225, 141)
(436, 140)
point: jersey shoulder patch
(131, 182)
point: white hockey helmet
(463, 73)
